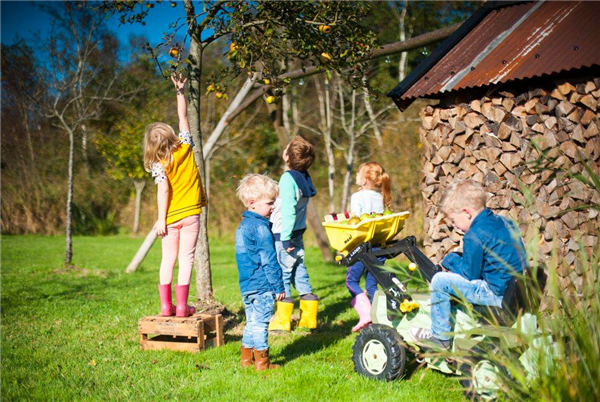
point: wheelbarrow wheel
(379, 353)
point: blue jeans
(293, 268)
(353, 276)
(443, 286)
(259, 310)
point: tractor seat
(512, 302)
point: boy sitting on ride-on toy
(493, 251)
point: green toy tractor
(383, 349)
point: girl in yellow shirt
(180, 200)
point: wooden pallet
(189, 334)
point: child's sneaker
(424, 337)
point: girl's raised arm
(179, 82)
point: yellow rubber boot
(282, 320)
(308, 313)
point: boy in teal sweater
(289, 223)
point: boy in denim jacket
(259, 273)
(493, 252)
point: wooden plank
(170, 327)
(163, 342)
(201, 336)
(219, 332)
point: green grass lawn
(72, 334)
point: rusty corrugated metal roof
(513, 42)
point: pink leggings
(181, 237)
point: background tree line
(347, 126)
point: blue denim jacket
(493, 250)
(259, 271)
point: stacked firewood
(496, 141)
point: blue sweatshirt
(493, 250)
(259, 271)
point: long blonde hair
(378, 179)
(160, 141)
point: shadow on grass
(232, 324)
(328, 333)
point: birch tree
(79, 85)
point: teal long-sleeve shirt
(289, 216)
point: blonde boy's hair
(463, 193)
(255, 187)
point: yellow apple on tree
(325, 57)
(324, 29)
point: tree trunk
(351, 132)
(204, 290)
(142, 251)
(29, 140)
(139, 187)
(315, 221)
(402, 19)
(69, 223)
(207, 183)
(223, 122)
(325, 111)
(372, 116)
(84, 145)
(328, 147)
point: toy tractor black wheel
(482, 377)
(379, 353)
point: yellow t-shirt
(186, 193)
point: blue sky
(24, 18)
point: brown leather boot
(247, 360)
(262, 362)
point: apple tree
(266, 37)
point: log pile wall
(490, 139)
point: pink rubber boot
(181, 295)
(362, 305)
(166, 304)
